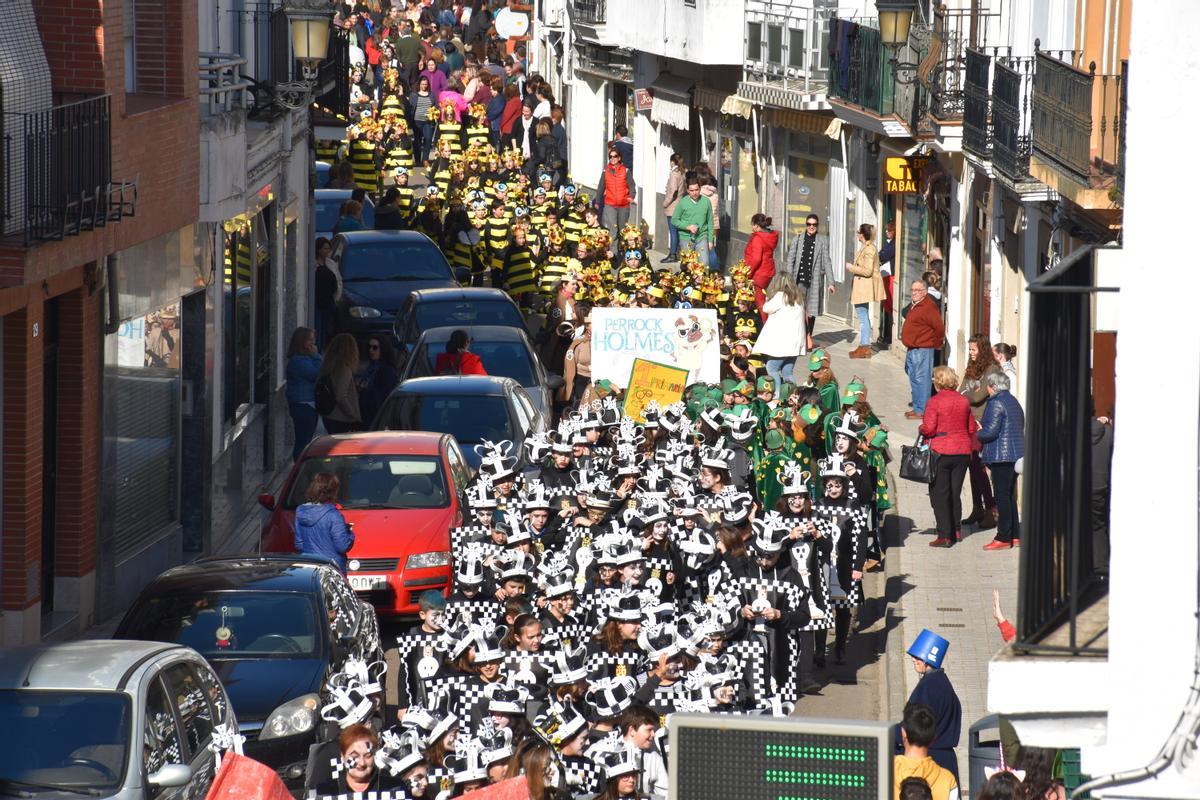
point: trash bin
(983, 748)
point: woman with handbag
(950, 428)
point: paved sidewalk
(946, 590)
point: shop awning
(737, 106)
(672, 100)
(805, 121)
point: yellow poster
(650, 381)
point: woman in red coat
(760, 257)
(950, 428)
(459, 360)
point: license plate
(368, 583)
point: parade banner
(650, 381)
(684, 338)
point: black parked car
(460, 307)
(377, 271)
(274, 629)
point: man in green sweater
(693, 219)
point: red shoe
(996, 544)
(1016, 542)
(942, 541)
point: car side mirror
(170, 776)
(554, 382)
(267, 501)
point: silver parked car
(115, 719)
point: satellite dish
(509, 24)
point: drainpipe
(113, 322)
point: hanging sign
(902, 174)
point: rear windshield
(376, 481)
(63, 738)
(503, 359)
(469, 419)
(394, 261)
(447, 313)
(327, 214)
(229, 624)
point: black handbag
(917, 460)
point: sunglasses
(810, 224)
(611, 156)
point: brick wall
(22, 541)
(74, 48)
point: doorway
(193, 500)
(49, 452)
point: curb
(892, 683)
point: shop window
(747, 184)
(754, 41)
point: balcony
(1078, 124)
(977, 90)
(1011, 118)
(863, 88)
(57, 173)
(590, 21)
(784, 52)
(593, 12)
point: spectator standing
(338, 368)
(321, 530)
(917, 733)
(923, 333)
(708, 188)
(1005, 353)
(545, 151)
(351, 218)
(693, 219)
(950, 428)
(437, 79)
(1003, 436)
(421, 100)
(867, 287)
(379, 377)
(671, 195)
(887, 260)
(760, 257)
(325, 286)
(1102, 450)
(809, 265)
(624, 145)
(559, 131)
(522, 133)
(782, 336)
(408, 53)
(981, 363)
(389, 216)
(616, 192)
(303, 368)
(933, 690)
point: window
(506, 359)
(52, 732)
(129, 34)
(470, 419)
(458, 465)
(754, 41)
(376, 481)
(446, 313)
(774, 44)
(796, 48)
(161, 745)
(195, 714)
(247, 301)
(216, 695)
(394, 261)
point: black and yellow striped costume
(572, 225)
(463, 253)
(366, 171)
(495, 234)
(517, 270)
(400, 153)
(441, 175)
(328, 149)
(552, 269)
(452, 132)
(407, 201)
(479, 134)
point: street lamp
(309, 22)
(895, 25)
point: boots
(976, 516)
(862, 351)
(987, 520)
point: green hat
(809, 413)
(782, 412)
(786, 390)
(774, 439)
(604, 387)
(765, 384)
(876, 437)
(717, 394)
(851, 392)
(729, 386)
(815, 358)
(744, 388)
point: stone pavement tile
(948, 591)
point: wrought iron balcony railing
(1012, 84)
(1077, 118)
(57, 172)
(859, 72)
(977, 90)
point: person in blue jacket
(934, 690)
(1002, 435)
(321, 530)
(303, 367)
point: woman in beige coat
(867, 288)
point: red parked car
(401, 492)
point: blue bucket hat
(930, 648)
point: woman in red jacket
(950, 427)
(459, 360)
(760, 257)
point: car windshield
(412, 260)
(229, 624)
(72, 739)
(503, 359)
(447, 313)
(376, 481)
(327, 213)
(469, 418)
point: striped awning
(672, 100)
(804, 121)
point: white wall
(1153, 597)
(709, 33)
(588, 129)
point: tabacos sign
(902, 174)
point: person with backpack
(336, 393)
(303, 369)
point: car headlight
(294, 716)
(364, 312)
(440, 558)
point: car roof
(475, 293)
(456, 384)
(267, 573)
(97, 664)
(424, 443)
(378, 237)
(331, 195)
(482, 333)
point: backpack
(325, 395)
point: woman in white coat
(783, 334)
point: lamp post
(308, 22)
(895, 25)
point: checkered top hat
(698, 550)
(833, 467)
(725, 615)
(848, 426)
(507, 699)
(682, 469)
(770, 533)
(608, 697)
(654, 481)
(456, 636)
(579, 436)
(719, 670)
(535, 496)
(627, 460)
(616, 756)
(559, 583)
(481, 495)
(716, 458)
(467, 760)
(570, 665)
(399, 751)
(468, 566)
(537, 447)
(610, 412)
(625, 605)
(654, 510)
(694, 631)
(736, 507)
(658, 640)
(514, 564)
(561, 438)
(600, 497)
(497, 742)
(418, 722)
(560, 722)
(624, 550)
(652, 413)
(742, 424)
(795, 479)
(586, 418)
(496, 466)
